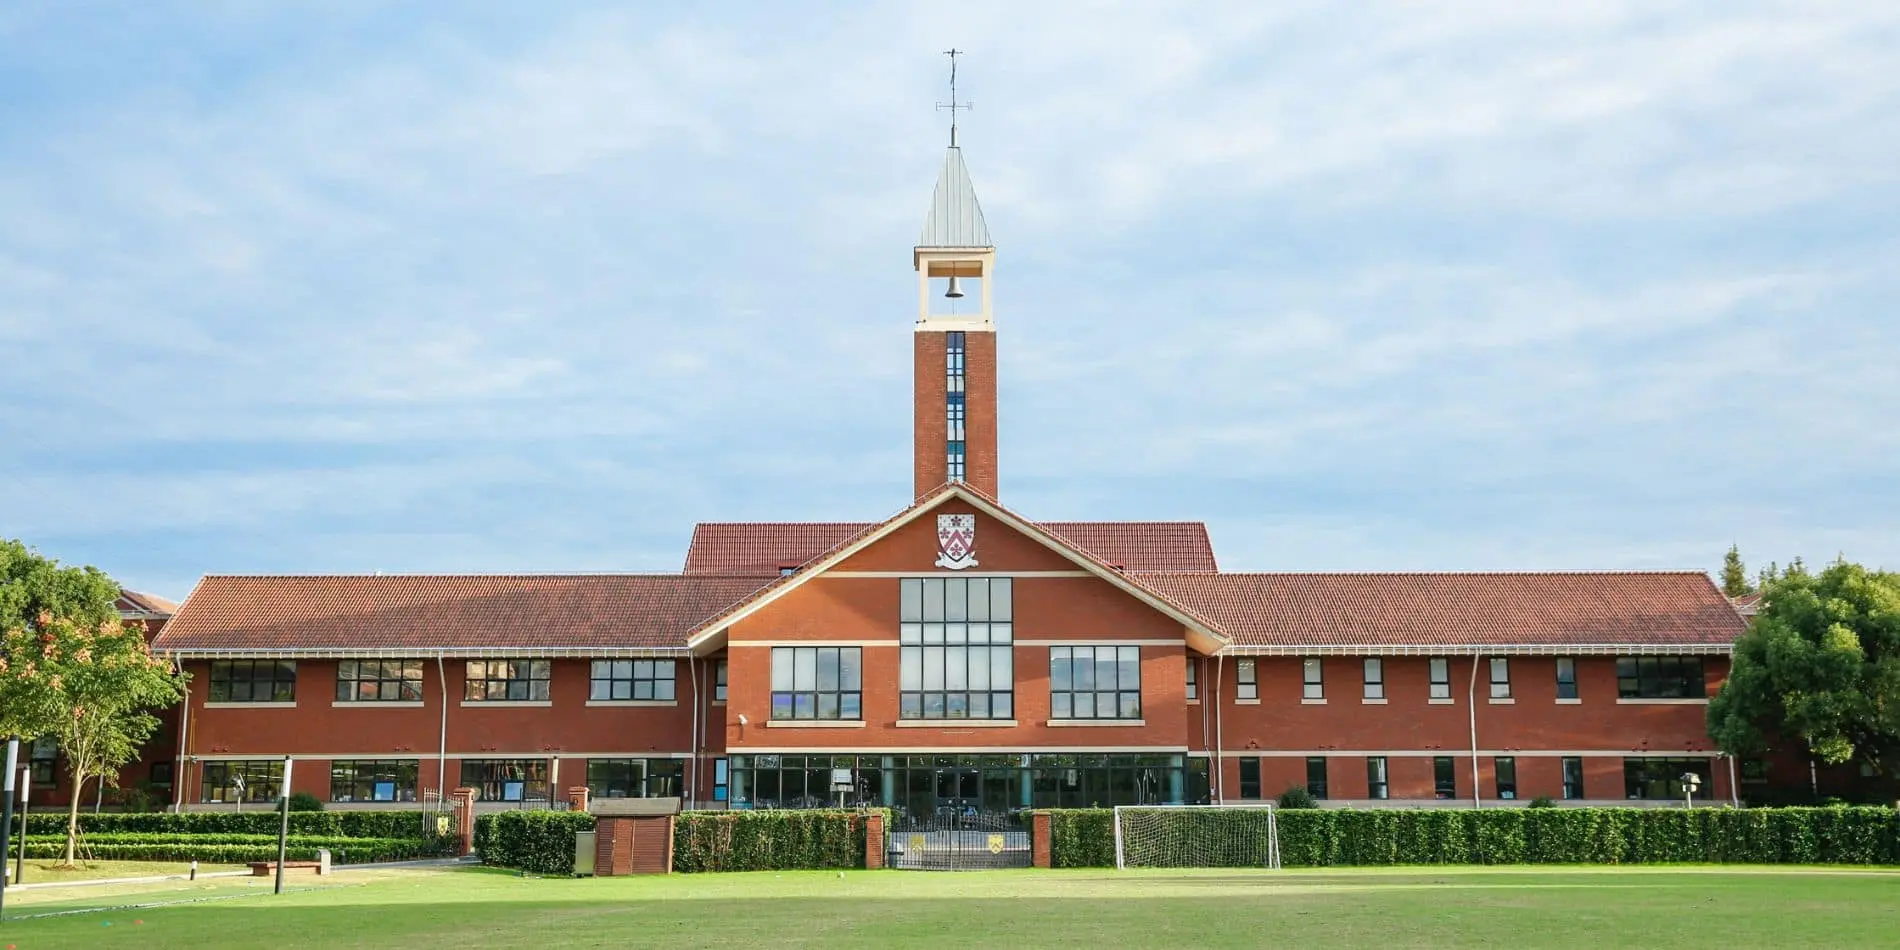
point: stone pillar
(577, 798)
(1039, 840)
(464, 799)
(874, 841)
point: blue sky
(354, 287)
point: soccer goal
(1197, 836)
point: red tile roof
(452, 612)
(1313, 610)
(765, 547)
(133, 602)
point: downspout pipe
(1471, 705)
(692, 740)
(442, 741)
(1220, 763)
(183, 755)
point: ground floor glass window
(506, 780)
(636, 778)
(1661, 778)
(930, 784)
(249, 780)
(373, 780)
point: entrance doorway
(959, 791)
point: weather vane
(954, 106)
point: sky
(351, 286)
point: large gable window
(1102, 682)
(818, 683)
(956, 638)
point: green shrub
(540, 842)
(226, 849)
(1541, 801)
(1297, 797)
(1082, 837)
(304, 801)
(261, 820)
(770, 840)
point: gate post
(1039, 839)
(874, 841)
(464, 820)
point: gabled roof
(1361, 612)
(955, 219)
(135, 605)
(461, 614)
(766, 547)
(1202, 634)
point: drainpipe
(1220, 764)
(1734, 791)
(1471, 703)
(442, 744)
(692, 765)
(183, 756)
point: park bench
(268, 868)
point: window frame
(350, 681)
(1316, 786)
(282, 681)
(613, 777)
(1373, 678)
(1378, 778)
(791, 685)
(1443, 788)
(720, 674)
(1246, 680)
(1500, 765)
(528, 780)
(42, 762)
(1573, 790)
(1312, 678)
(1250, 763)
(1066, 682)
(661, 675)
(226, 769)
(1440, 688)
(1634, 682)
(1500, 688)
(351, 772)
(536, 685)
(1671, 768)
(1193, 681)
(1567, 686)
(956, 649)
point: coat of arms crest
(956, 541)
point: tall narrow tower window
(953, 388)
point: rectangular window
(1573, 778)
(506, 780)
(1193, 684)
(636, 778)
(1312, 679)
(1250, 778)
(496, 681)
(1500, 678)
(1661, 778)
(161, 775)
(253, 681)
(817, 683)
(956, 658)
(1660, 677)
(246, 780)
(1316, 776)
(1095, 682)
(1376, 785)
(1566, 678)
(1506, 769)
(953, 364)
(1754, 771)
(1375, 678)
(42, 760)
(379, 681)
(1444, 777)
(373, 780)
(722, 777)
(719, 681)
(1248, 688)
(1441, 677)
(635, 680)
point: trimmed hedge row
(540, 842)
(1329, 837)
(263, 821)
(770, 840)
(196, 848)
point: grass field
(1672, 908)
(42, 871)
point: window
(506, 681)
(1573, 778)
(1444, 777)
(1661, 778)
(1659, 677)
(253, 681)
(373, 780)
(1566, 678)
(1095, 682)
(1375, 678)
(1441, 677)
(1250, 778)
(817, 683)
(719, 681)
(953, 360)
(722, 778)
(1312, 679)
(956, 655)
(1316, 776)
(1506, 769)
(1376, 785)
(506, 780)
(636, 778)
(161, 776)
(379, 681)
(251, 780)
(642, 680)
(1754, 771)
(42, 760)
(1500, 678)
(1248, 688)
(1193, 680)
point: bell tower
(954, 432)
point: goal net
(1197, 836)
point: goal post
(1197, 836)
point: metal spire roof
(955, 219)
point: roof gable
(768, 547)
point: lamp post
(6, 812)
(283, 830)
(1690, 782)
(19, 859)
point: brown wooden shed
(633, 835)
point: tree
(1735, 574)
(1821, 665)
(88, 686)
(31, 585)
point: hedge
(1330, 837)
(234, 849)
(770, 840)
(263, 821)
(541, 842)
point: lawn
(43, 871)
(1674, 908)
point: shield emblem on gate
(996, 844)
(956, 541)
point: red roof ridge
(1567, 572)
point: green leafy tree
(1735, 574)
(32, 585)
(89, 686)
(1821, 665)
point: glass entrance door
(959, 791)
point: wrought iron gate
(954, 840)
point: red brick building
(957, 654)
